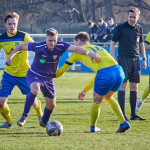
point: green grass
(75, 117)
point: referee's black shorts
(131, 68)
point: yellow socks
(6, 113)
(116, 109)
(38, 109)
(95, 112)
(145, 93)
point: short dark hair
(90, 23)
(134, 10)
(110, 18)
(100, 20)
(11, 15)
(51, 32)
(83, 36)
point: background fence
(78, 66)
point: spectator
(110, 30)
(101, 31)
(92, 30)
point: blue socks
(47, 114)
(28, 104)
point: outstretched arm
(62, 69)
(88, 87)
(15, 51)
(81, 50)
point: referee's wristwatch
(144, 58)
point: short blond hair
(51, 32)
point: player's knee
(3, 102)
(35, 91)
(51, 106)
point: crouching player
(109, 77)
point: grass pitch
(75, 117)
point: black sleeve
(116, 34)
(141, 36)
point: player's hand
(81, 95)
(144, 64)
(95, 57)
(8, 62)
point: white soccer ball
(54, 128)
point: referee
(130, 38)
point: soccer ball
(54, 128)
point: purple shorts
(46, 84)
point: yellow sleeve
(28, 38)
(148, 38)
(73, 58)
(90, 85)
(0, 46)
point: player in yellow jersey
(109, 77)
(147, 89)
(15, 74)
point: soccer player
(130, 38)
(15, 74)
(147, 89)
(43, 70)
(109, 77)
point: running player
(43, 70)
(147, 89)
(15, 74)
(109, 77)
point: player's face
(11, 25)
(132, 18)
(51, 42)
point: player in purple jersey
(43, 70)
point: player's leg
(144, 96)
(48, 91)
(24, 87)
(95, 112)
(38, 108)
(6, 86)
(5, 112)
(134, 79)
(127, 67)
(30, 98)
(118, 78)
(121, 98)
(114, 106)
(49, 108)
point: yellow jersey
(20, 62)
(106, 61)
(147, 39)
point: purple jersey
(45, 61)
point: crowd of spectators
(101, 32)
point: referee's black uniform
(129, 38)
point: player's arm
(81, 50)
(142, 50)
(15, 51)
(73, 58)
(112, 48)
(88, 87)
(147, 46)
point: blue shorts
(46, 84)
(8, 82)
(109, 79)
